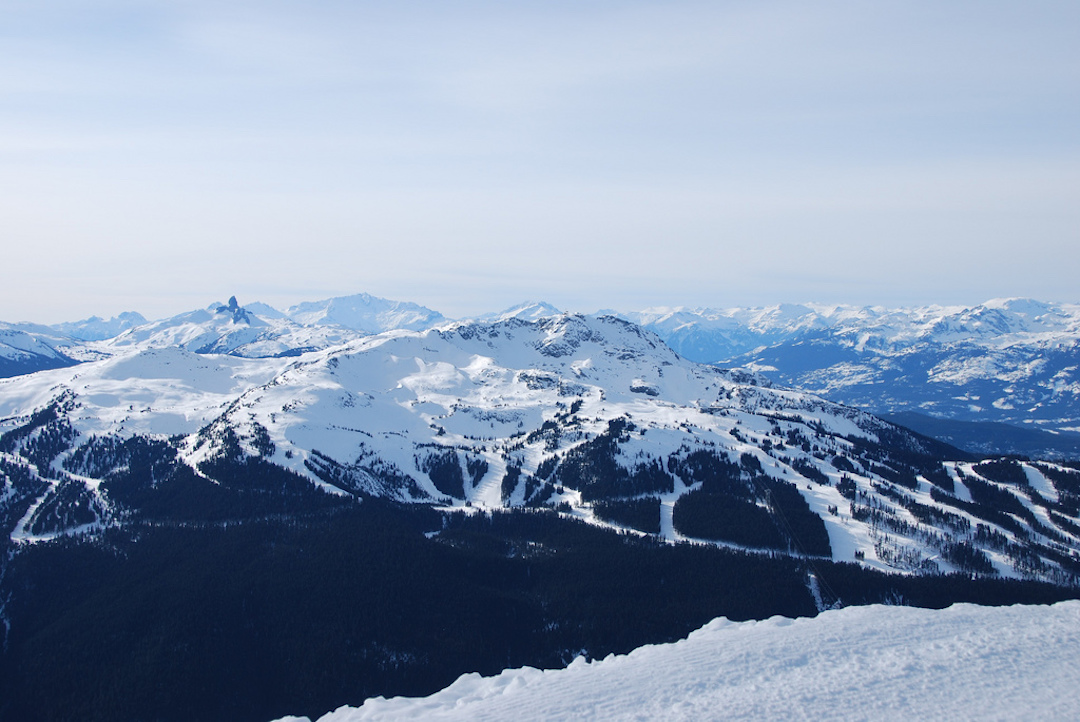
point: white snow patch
(1040, 483)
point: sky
(157, 156)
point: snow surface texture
(878, 662)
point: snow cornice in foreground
(875, 662)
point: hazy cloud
(466, 155)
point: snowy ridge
(876, 662)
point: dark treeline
(266, 618)
(738, 503)
(641, 514)
(256, 620)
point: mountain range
(253, 331)
(1009, 366)
(1010, 361)
(594, 415)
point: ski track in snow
(858, 663)
(488, 492)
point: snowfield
(872, 663)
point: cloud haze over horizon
(466, 156)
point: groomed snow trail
(488, 492)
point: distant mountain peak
(1009, 360)
(239, 315)
(525, 311)
(264, 310)
(366, 313)
(96, 328)
(229, 328)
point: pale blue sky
(155, 156)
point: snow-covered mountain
(365, 313)
(1011, 360)
(525, 311)
(874, 662)
(25, 348)
(592, 416)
